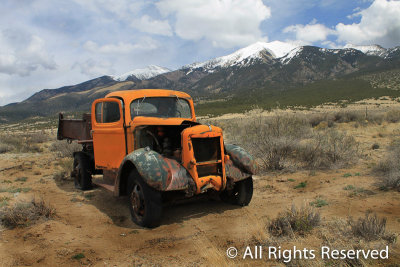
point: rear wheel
(82, 171)
(145, 203)
(241, 193)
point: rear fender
(160, 173)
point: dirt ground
(96, 226)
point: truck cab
(148, 145)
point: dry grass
(272, 140)
(63, 149)
(66, 165)
(285, 141)
(24, 142)
(392, 115)
(26, 213)
(295, 221)
(328, 148)
(388, 169)
(4, 148)
(370, 228)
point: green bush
(319, 202)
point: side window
(110, 112)
(98, 112)
(107, 112)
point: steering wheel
(155, 140)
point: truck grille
(207, 152)
(207, 149)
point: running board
(101, 183)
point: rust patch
(234, 172)
(242, 158)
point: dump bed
(75, 129)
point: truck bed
(75, 129)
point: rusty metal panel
(74, 129)
(161, 173)
(234, 172)
(241, 158)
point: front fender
(161, 173)
(241, 164)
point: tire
(145, 203)
(82, 171)
(241, 193)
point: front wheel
(145, 203)
(241, 193)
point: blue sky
(48, 44)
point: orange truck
(147, 144)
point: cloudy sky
(48, 44)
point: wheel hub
(137, 200)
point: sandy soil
(195, 233)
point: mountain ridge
(258, 69)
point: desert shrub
(371, 227)
(273, 140)
(348, 116)
(64, 149)
(388, 169)
(375, 117)
(38, 137)
(294, 221)
(328, 148)
(286, 141)
(66, 165)
(318, 119)
(26, 213)
(4, 148)
(392, 115)
(27, 142)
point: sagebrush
(295, 221)
(26, 213)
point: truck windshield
(162, 107)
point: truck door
(108, 133)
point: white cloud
(22, 53)
(120, 9)
(121, 47)
(226, 23)
(149, 25)
(380, 23)
(94, 68)
(312, 32)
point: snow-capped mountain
(292, 54)
(370, 50)
(276, 50)
(143, 74)
(258, 71)
(245, 56)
